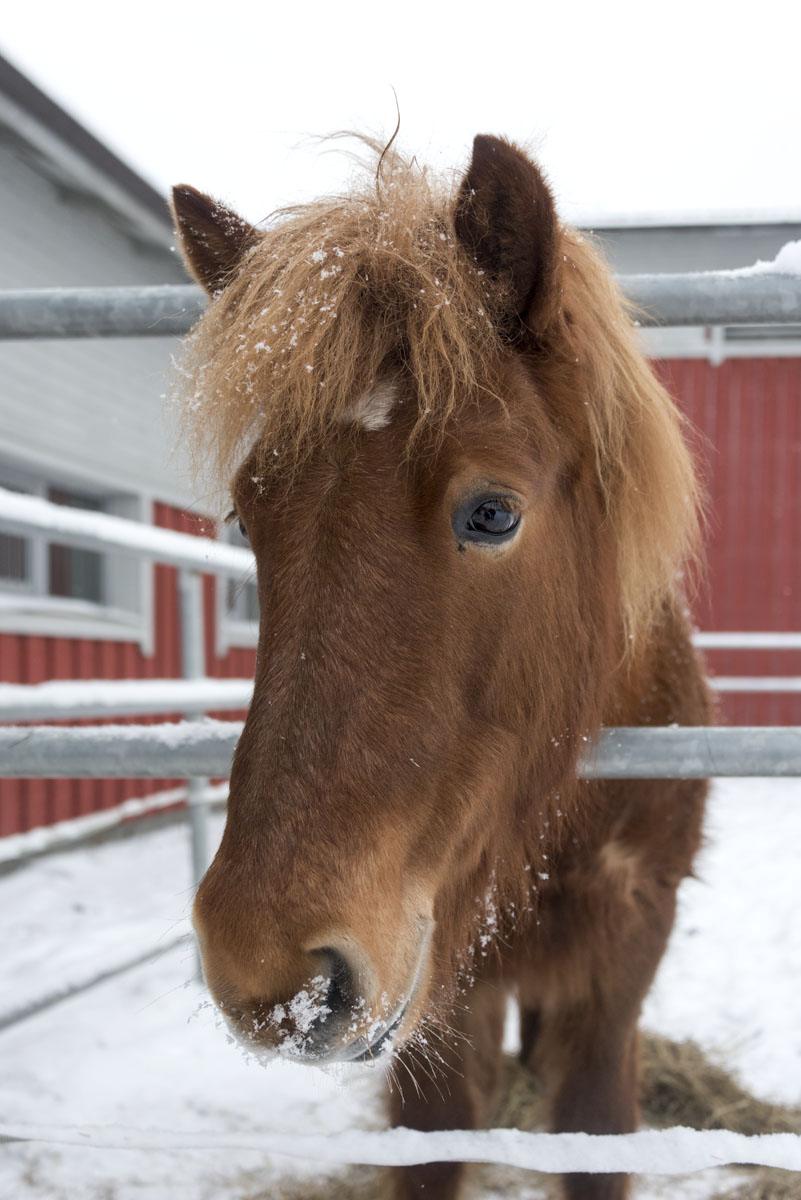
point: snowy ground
(146, 1050)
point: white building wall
(88, 412)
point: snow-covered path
(146, 1050)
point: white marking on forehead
(373, 410)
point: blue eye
(487, 519)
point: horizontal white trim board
(676, 1151)
(54, 623)
(712, 343)
(204, 748)
(715, 639)
(772, 684)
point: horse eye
(242, 530)
(492, 520)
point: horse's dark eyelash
(230, 517)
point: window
(54, 589)
(15, 557)
(14, 563)
(238, 623)
(77, 574)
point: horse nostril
(339, 997)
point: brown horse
(469, 501)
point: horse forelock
(334, 299)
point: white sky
(632, 107)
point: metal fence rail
(205, 748)
(715, 298)
(704, 298)
(166, 311)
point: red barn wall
(748, 416)
(747, 413)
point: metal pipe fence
(702, 298)
(205, 748)
(198, 749)
(166, 311)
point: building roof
(62, 140)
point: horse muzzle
(329, 1019)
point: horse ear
(212, 238)
(506, 219)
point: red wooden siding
(748, 416)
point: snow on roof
(15, 85)
(786, 262)
(680, 218)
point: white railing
(24, 515)
(79, 699)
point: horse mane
(639, 438)
(337, 292)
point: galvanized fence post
(193, 664)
